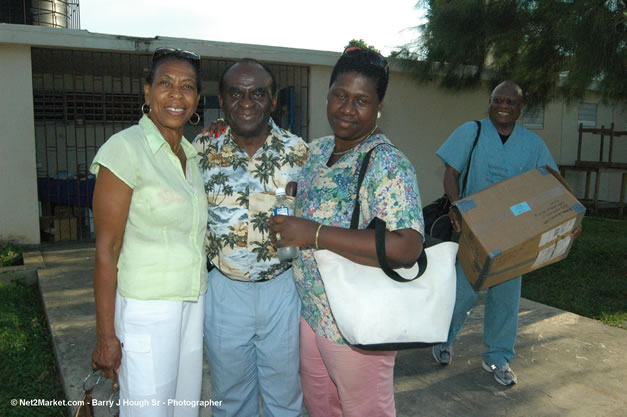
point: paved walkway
(567, 365)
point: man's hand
(456, 221)
(291, 188)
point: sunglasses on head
(373, 57)
(179, 53)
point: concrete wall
(419, 117)
(19, 211)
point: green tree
(264, 250)
(242, 200)
(552, 48)
(260, 222)
(230, 239)
(213, 245)
(218, 184)
(362, 44)
(264, 170)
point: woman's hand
(107, 355)
(292, 231)
(215, 129)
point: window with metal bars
(81, 98)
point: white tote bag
(382, 308)
(371, 308)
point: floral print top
(241, 193)
(327, 195)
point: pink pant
(343, 381)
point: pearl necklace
(361, 140)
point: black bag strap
(360, 179)
(379, 238)
(465, 180)
(380, 229)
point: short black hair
(249, 61)
(174, 57)
(511, 84)
(362, 62)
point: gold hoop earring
(144, 107)
(197, 119)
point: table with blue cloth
(66, 208)
(66, 192)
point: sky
(326, 25)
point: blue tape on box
(578, 208)
(495, 253)
(465, 205)
(520, 208)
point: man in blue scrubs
(504, 150)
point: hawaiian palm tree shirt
(241, 194)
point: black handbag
(437, 222)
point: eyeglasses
(506, 100)
(179, 53)
(373, 57)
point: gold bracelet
(317, 233)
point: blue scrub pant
(252, 341)
(500, 327)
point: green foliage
(10, 253)
(28, 368)
(552, 48)
(591, 281)
(362, 44)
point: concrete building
(65, 91)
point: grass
(10, 253)
(592, 280)
(28, 368)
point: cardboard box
(58, 229)
(65, 229)
(46, 208)
(516, 226)
(62, 211)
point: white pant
(161, 356)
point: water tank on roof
(52, 13)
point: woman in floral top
(339, 379)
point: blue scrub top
(493, 161)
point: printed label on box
(549, 236)
(521, 208)
(544, 256)
(558, 231)
(561, 247)
(568, 226)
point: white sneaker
(442, 353)
(502, 374)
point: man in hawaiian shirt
(252, 310)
